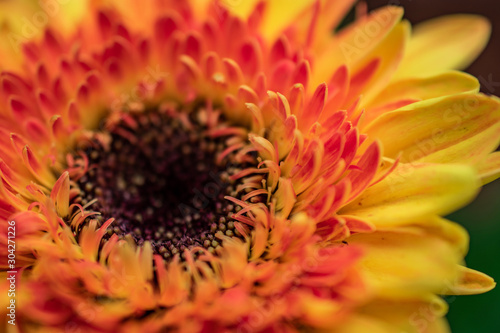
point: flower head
(207, 166)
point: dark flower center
(157, 176)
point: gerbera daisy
(220, 166)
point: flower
(209, 166)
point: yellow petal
(415, 191)
(438, 326)
(354, 42)
(450, 231)
(448, 42)
(410, 315)
(24, 21)
(68, 14)
(13, 18)
(313, 27)
(278, 14)
(489, 168)
(462, 128)
(399, 265)
(420, 89)
(414, 321)
(332, 12)
(389, 52)
(239, 8)
(471, 282)
(418, 316)
(356, 323)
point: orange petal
(60, 194)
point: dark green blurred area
(480, 313)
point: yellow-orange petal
(456, 129)
(355, 42)
(415, 191)
(331, 14)
(489, 168)
(397, 264)
(411, 316)
(278, 14)
(60, 194)
(419, 89)
(388, 54)
(242, 9)
(470, 282)
(14, 31)
(450, 231)
(356, 323)
(25, 21)
(432, 51)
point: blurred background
(478, 313)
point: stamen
(158, 178)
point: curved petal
(242, 9)
(332, 13)
(412, 90)
(355, 42)
(415, 191)
(413, 318)
(431, 50)
(278, 14)
(489, 168)
(402, 265)
(14, 30)
(471, 282)
(388, 55)
(418, 316)
(24, 21)
(455, 129)
(450, 231)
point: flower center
(156, 175)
